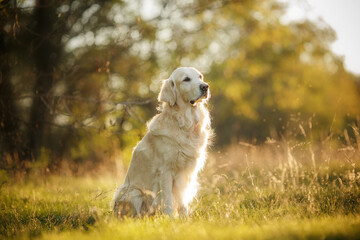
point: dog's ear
(168, 92)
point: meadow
(280, 190)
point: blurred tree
(10, 137)
(80, 78)
(278, 75)
(46, 48)
(75, 71)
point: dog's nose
(204, 87)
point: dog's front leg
(180, 183)
(166, 192)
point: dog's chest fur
(186, 131)
(191, 138)
(190, 149)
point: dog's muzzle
(204, 92)
(204, 88)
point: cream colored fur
(165, 163)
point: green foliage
(269, 79)
(275, 71)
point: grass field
(277, 191)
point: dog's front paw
(183, 212)
(168, 210)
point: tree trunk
(46, 53)
(10, 135)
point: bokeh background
(79, 79)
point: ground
(265, 195)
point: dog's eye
(187, 79)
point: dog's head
(185, 85)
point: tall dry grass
(280, 183)
(297, 178)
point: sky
(343, 16)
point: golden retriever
(165, 163)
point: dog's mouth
(205, 96)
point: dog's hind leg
(132, 203)
(120, 204)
